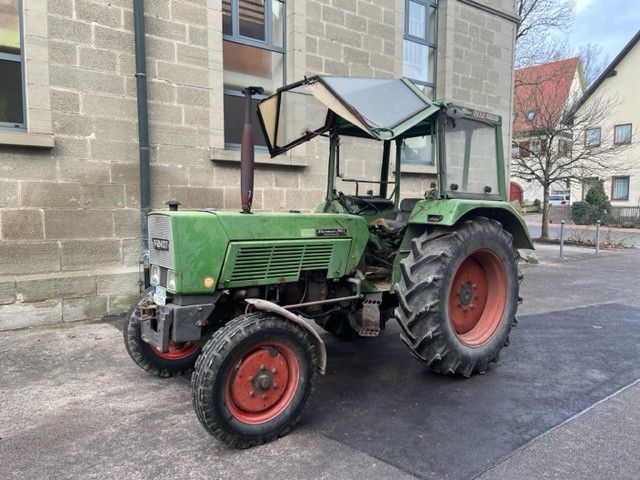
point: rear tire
(458, 296)
(254, 379)
(179, 360)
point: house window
(253, 53)
(622, 134)
(515, 151)
(12, 114)
(531, 114)
(564, 148)
(592, 137)
(420, 30)
(587, 184)
(620, 188)
(535, 147)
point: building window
(622, 134)
(420, 30)
(587, 184)
(253, 54)
(419, 54)
(592, 137)
(531, 114)
(515, 151)
(12, 114)
(535, 147)
(620, 188)
(564, 148)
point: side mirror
(454, 112)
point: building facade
(543, 96)
(618, 84)
(69, 157)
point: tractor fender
(267, 306)
(448, 212)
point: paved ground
(626, 236)
(561, 403)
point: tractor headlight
(154, 278)
(171, 280)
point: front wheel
(254, 379)
(178, 360)
(458, 296)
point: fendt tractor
(233, 295)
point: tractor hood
(367, 107)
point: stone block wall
(69, 218)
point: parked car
(559, 200)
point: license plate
(159, 296)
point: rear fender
(448, 212)
(284, 313)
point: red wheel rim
(176, 353)
(478, 297)
(262, 383)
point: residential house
(618, 85)
(543, 94)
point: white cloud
(582, 4)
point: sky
(609, 23)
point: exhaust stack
(247, 151)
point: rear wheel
(178, 360)
(254, 379)
(458, 296)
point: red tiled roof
(543, 89)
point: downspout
(143, 133)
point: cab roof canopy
(377, 108)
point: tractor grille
(160, 229)
(279, 262)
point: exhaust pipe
(247, 159)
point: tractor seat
(394, 220)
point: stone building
(69, 171)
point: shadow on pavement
(378, 399)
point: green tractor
(233, 294)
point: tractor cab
(464, 145)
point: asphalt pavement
(561, 403)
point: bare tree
(541, 15)
(556, 142)
(594, 61)
(539, 19)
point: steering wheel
(367, 203)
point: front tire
(254, 379)
(179, 360)
(458, 296)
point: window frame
(268, 45)
(423, 41)
(18, 58)
(615, 136)
(429, 45)
(585, 182)
(613, 183)
(586, 130)
(564, 148)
